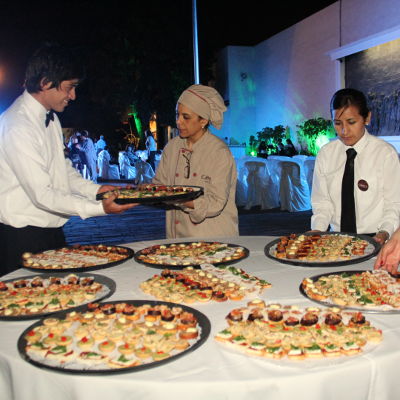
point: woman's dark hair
(344, 98)
(52, 63)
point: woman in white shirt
(376, 173)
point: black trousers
(16, 241)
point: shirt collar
(359, 146)
(198, 143)
(35, 108)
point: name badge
(363, 185)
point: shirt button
(176, 222)
(194, 174)
(176, 174)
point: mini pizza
(210, 283)
(376, 290)
(113, 336)
(152, 192)
(193, 253)
(77, 256)
(275, 331)
(40, 295)
(321, 248)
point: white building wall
(239, 119)
(362, 18)
(292, 74)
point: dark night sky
(24, 24)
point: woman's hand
(389, 256)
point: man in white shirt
(100, 144)
(39, 189)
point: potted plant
(313, 134)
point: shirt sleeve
(320, 200)
(216, 192)
(391, 194)
(79, 185)
(24, 155)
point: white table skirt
(212, 371)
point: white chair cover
(144, 172)
(294, 191)
(142, 154)
(113, 172)
(107, 170)
(260, 187)
(309, 165)
(241, 184)
(300, 157)
(103, 161)
(127, 170)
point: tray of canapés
(287, 332)
(114, 337)
(325, 249)
(77, 258)
(182, 254)
(374, 291)
(147, 194)
(30, 297)
(210, 283)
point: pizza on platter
(150, 192)
(366, 289)
(77, 256)
(276, 331)
(191, 253)
(210, 283)
(112, 336)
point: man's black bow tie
(49, 117)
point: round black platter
(108, 282)
(328, 303)
(202, 320)
(130, 254)
(160, 199)
(354, 260)
(181, 266)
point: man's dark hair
(52, 63)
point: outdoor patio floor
(148, 223)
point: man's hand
(108, 188)
(109, 205)
(381, 237)
(389, 256)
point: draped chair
(144, 172)
(261, 189)
(127, 170)
(107, 170)
(294, 192)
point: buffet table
(213, 371)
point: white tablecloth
(213, 372)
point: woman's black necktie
(348, 217)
